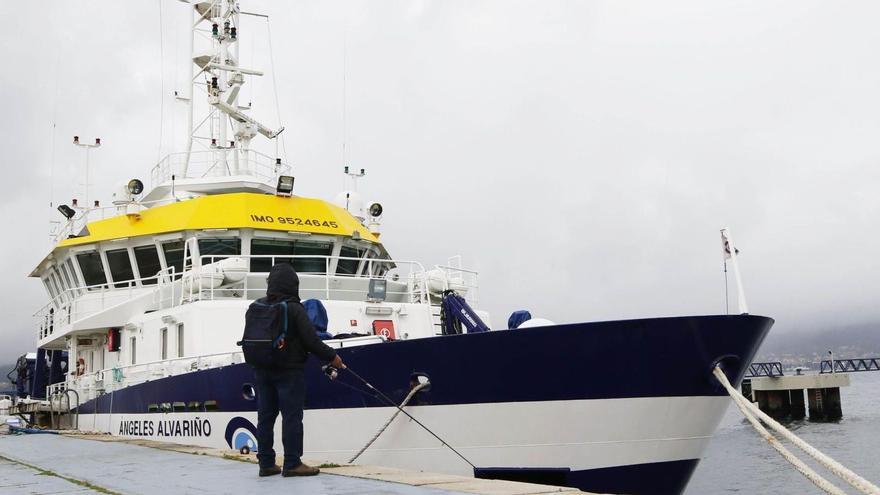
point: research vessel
(148, 296)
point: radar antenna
(224, 126)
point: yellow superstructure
(228, 211)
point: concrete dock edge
(55, 455)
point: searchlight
(67, 211)
(285, 186)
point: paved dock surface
(102, 467)
(16, 479)
(62, 464)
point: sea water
(739, 461)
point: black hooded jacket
(301, 336)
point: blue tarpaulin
(318, 314)
(517, 318)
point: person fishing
(278, 338)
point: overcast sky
(582, 155)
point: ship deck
(79, 464)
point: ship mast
(222, 125)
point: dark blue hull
(656, 478)
(660, 357)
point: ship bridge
(140, 262)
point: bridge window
(92, 269)
(378, 264)
(69, 274)
(120, 267)
(269, 247)
(281, 249)
(73, 277)
(349, 267)
(53, 277)
(147, 259)
(65, 277)
(49, 288)
(174, 255)
(212, 250)
(317, 251)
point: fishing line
(391, 402)
(356, 389)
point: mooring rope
(403, 404)
(750, 411)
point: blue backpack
(265, 334)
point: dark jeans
(284, 391)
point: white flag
(725, 245)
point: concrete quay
(89, 464)
(783, 397)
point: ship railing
(217, 162)
(462, 278)
(58, 396)
(92, 385)
(76, 303)
(411, 274)
(84, 215)
(97, 383)
(172, 288)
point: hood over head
(283, 283)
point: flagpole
(726, 294)
(741, 295)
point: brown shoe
(270, 471)
(301, 470)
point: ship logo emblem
(241, 435)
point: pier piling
(782, 397)
(825, 404)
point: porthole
(248, 392)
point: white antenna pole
(189, 101)
(730, 251)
